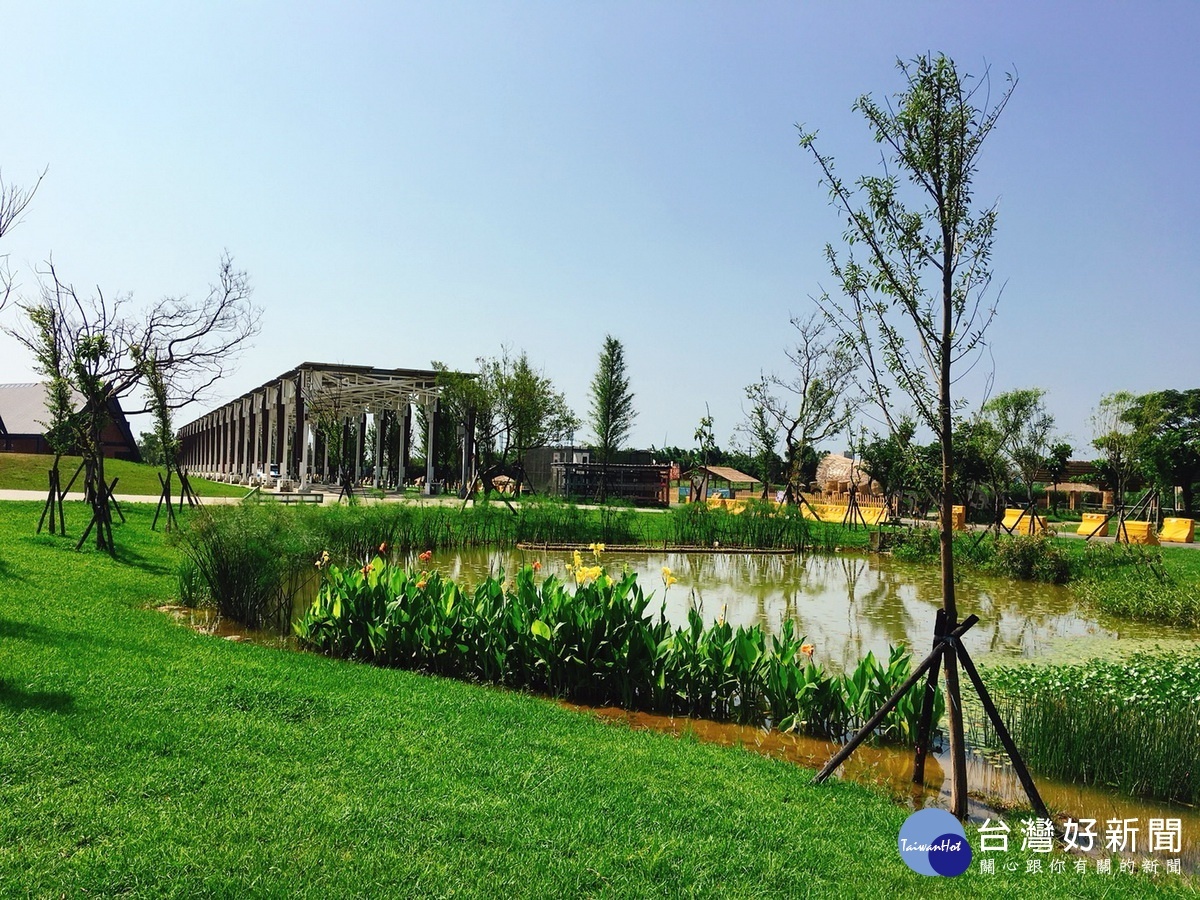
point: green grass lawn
(140, 759)
(27, 472)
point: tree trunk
(958, 755)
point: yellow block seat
(958, 518)
(1178, 531)
(1137, 533)
(1017, 521)
(1094, 524)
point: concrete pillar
(431, 421)
(402, 457)
(360, 448)
(380, 427)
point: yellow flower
(668, 578)
(588, 574)
(596, 549)
(578, 559)
(421, 584)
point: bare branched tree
(107, 353)
(815, 402)
(13, 202)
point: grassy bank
(27, 472)
(140, 759)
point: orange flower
(807, 649)
(421, 584)
(426, 556)
(366, 570)
(383, 547)
(537, 565)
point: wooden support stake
(1010, 746)
(863, 733)
(926, 724)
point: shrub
(1032, 558)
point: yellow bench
(1094, 525)
(1017, 521)
(1137, 533)
(958, 518)
(1178, 531)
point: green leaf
(540, 628)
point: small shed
(724, 481)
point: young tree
(1167, 424)
(1024, 426)
(915, 274)
(1119, 442)
(1056, 466)
(813, 404)
(105, 352)
(612, 411)
(763, 436)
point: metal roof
(23, 407)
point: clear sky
(408, 182)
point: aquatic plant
(1134, 725)
(597, 642)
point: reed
(1132, 725)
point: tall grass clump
(248, 559)
(1145, 596)
(1132, 725)
(596, 641)
(759, 525)
(1031, 558)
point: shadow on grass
(18, 700)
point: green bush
(1031, 558)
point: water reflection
(846, 604)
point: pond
(846, 604)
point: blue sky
(410, 182)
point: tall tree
(1024, 426)
(915, 276)
(611, 413)
(812, 403)
(1056, 466)
(1168, 429)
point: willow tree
(914, 275)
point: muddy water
(847, 604)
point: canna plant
(595, 641)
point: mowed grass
(140, 759)
(27, 472)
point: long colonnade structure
(286, 425)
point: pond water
(846, 604)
